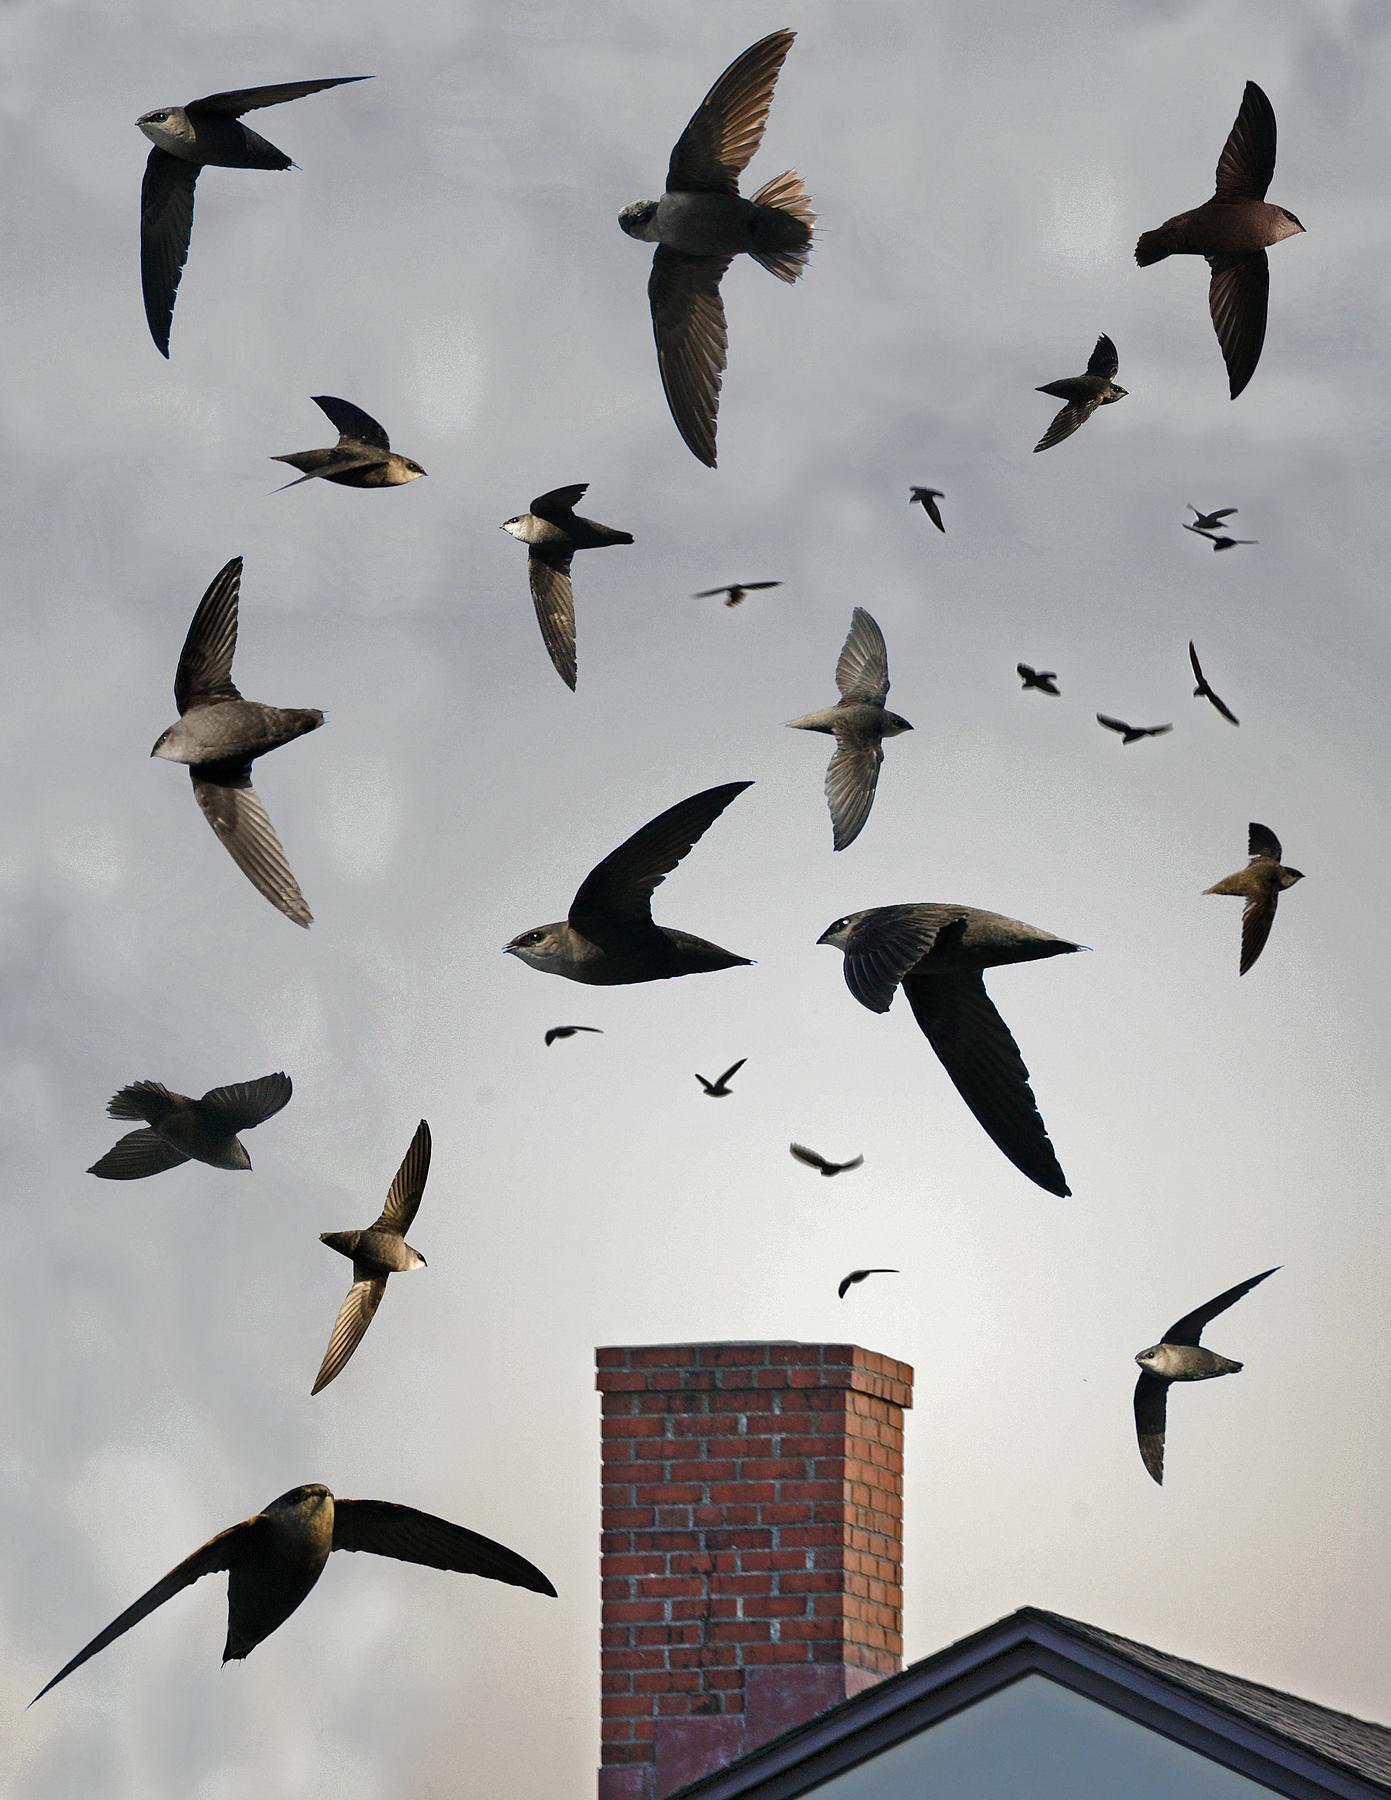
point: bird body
(180, 1129)
(553, 531)
(1083, 393)
(362, 457)
(1260, 884)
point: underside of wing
(233, 808)
(1238, 295)
(166, 225)
(242, 1104)
(404, 1195)
(726, 128)
(1151, 1403)
(354, 1316)
(621, 886)
(386, 1529)
(692, 339)
(553, 596)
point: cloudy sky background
(449, 260)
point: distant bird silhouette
(719, 1089)
(813, 1161)
(859, 1275)
(1083, 393)
(1260, 884)
(1045, 680)
(553, 531)
(1209, 521)
(733, 595)
(178, 1128)
(1220, 542)
(927, 498)
(566, 1031)
(361, 458)
(1131, 734)
(1204, 692)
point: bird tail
(1151, 248)
(1231, 884)
(783, 241)
(139, 1100)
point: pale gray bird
(378, 1251)
(1233, 231)
(1204, 692)
(1083, 393)
(1260, 884)
(1131, 734)
(939, 953)
(1045, 680)
(1219, 542)
(553, 531)
(361, 458)
(198, 135)
(857, 1275)
(822, 1164)
(1210, 521)
(568, 1031)
(733, 595)
(719, 1089)
(859, 722)
(219, 735)
(609, 938)
(701, 223)
(274, 1558)
(927, 498)
(178, 1128)
(1179, 1357)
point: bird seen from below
(719, 1089)
(1045, 680)
(927, 499)
(733, 596)
(1204, 692)
(178, 1128)
(1131, 734)
(553, 531)
(1219, 540)
(858, 1275)
(1260, 884)
(362, 457)
(1083, 393)
(568, 1031)
(821, 1164)
(1210, 521)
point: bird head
(312, 1495)
(539, 948)
(894, 723)
(413, 469)
(839, 933)
(167, 127)
(639, 220)
(1288, 877)
(1147, 1359)
(1287, 225)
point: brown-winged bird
(609, 939)
(701, 223)
(274, 1558)
(178, 1128)
(1260, 884)
(1233, 231)
(1179, 1357)
(376, 1252)
(553, 531)
(1083, 393)
(938, 954)
(199, 135)
(362, 457)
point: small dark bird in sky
(859, 722)
(378, 1251)
(362, 457)
(199, 135)
(939, 954)
(1233, 231)
(553, 531)
(219, 735)
(1209, 521)
(927, 498)
(813, 1161)
(566, 1031)
(1178, 1357)
(609, 938)
(855, 1275)
(1045, 680)
(1083, 393)
(1204, 692)
(719, 1089)
(1260, 884)
(1131, 734)
(733, 595)
(274, 1558)
(701, 223)
(1220, 541)
(179, 1129)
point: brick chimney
(752, 1547)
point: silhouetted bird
(565, 1031)
(1045, 680)
(1131, 734)
(856, 1275)
(1209, 521)
(733, 595)
(820, 1163)
(1220, 542)
(1204, 692)
(927, 498)
(719, 1088)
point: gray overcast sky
(449, 259)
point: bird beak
(507, 950)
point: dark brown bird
(1131, 734)
(362, 457)
(274, 1558)
(568, 1031)
(1083, 393)
(1204, 692)
(1045, 680)
(1233, 230)
(179, 1129)
(1219, 541)
(856, 1275)
(719, 1089)
(820, 1163)
(927, 498)
(1210, 521)
(1260, 884)
(553, 531)
(733, 595)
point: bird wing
(237, 101)
(851, 778)
(1113, 724)
(204, 673)
(1074, 415)
(621, 886)
(726, 128)
(403, 1197)
(1237, 297)
(1197, 666)
(220, 1552)
(234, 810)
(1261, 841)
(1189, 1329)
(809, 1157)
(882, 948)
(933, 511)
(137, 1154)
(711, 593)
(1200, 531)
(692, 339)
(557, 505)
(1247, 162)
(731, 1072)
(862, 673)
(1103, 360)
(387, 1529)
(553, 596)
(351, 422)
(148, 1100)
(1151, 1401)
(1257, 917)
(974, 1046)
(354, 1316)
(1222, 706)
(246, 1103)
(848, 1281)
(166, 225)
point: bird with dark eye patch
(178, 1129)
(719, 1089)
(553, 531)
(187, 139)
(1219, 541)
(858, 1275)
(1260, 884)
(1083, 393)
(1209, 521)
(568, 1031)
(1131, 734)
(1204, 692)
(821, 1164)
(362, 457)
(1045, 680)
(927, 499)
(1179, 1356)
(735, 594)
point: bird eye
(841, 924)
(534, 937)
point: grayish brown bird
(859, 722)
(1179, 1357)
(179, 1129)
(1045, 680)
(1219, 541)
(1209, 521)
(274, 1558)
(377, 1252)
(1204, 692)
(857, 1275)
(1260, 884)
(609, 938)
(362, 457)
(219, 735)
(568, 1031)
(938, 954)
(733, 595)
(701, 223)
(553, 531)
(719, 1089)
(1083, 393)
(1233, 230)
(1131, 734)
(927, 498)
(821, 1164)
(187, 139)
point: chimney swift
(274, 1558)
(927, 498)
(733, 595)
(566, 1031)
(855, 1275)
(701, 223)
(1204, 692)
(1260, 884)
(1233, 231)
(1083, 393)
(199, 135)
(610, 939)
(1179, 1358)
(820, 1163)
(1209, 521)
(1131, 734)
(178, 1127)
(1045, 680)
(719, 1089)
(1218, 542)
(219, 735)
(939, 954)
(361, 458)
(859, 722)
(377, 1252)
(553, 531)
